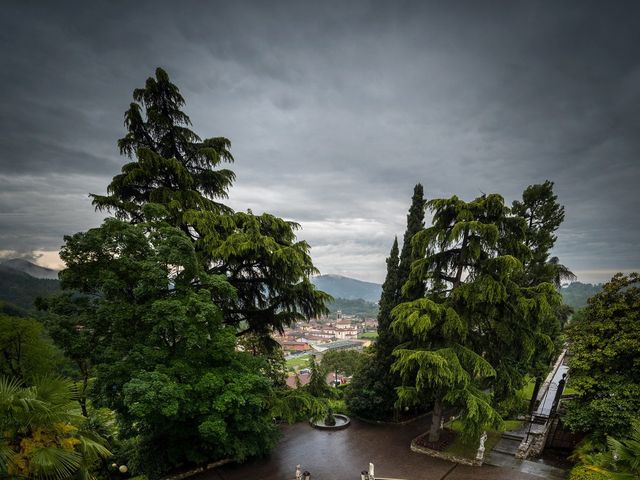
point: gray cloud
(335, 110)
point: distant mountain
(349, 288)
(29, 268)
(576, 294)
(21, 289)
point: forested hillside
(357, 307)
(22, 289)
(577, 293)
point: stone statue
(480, 454)
(298, 472)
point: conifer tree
(415, 223)
(171, 164)
(170, 284)
(371, 392)
(475, 321)
(374, 396)
(387, 340)
(543, 216)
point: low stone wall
(442, 455)
(404, 422)
(534, 447)
(204, 468)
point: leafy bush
(582, 472)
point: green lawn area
(527, 390)
(298, 362)
(369, 335)
(468, 450)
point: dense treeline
(576, 294)
(470, 302)
(359, 307)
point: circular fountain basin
(342, 421)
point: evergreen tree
(476, 321)
(543, 215)
(172, 165)
(415, 223)
(167, 287)
(375, 395)
(387, 340)
(371, 392)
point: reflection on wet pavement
(343, 454)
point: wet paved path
(343, 454)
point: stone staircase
(503, 455)
(533, 467)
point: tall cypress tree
(387, 341)
(415, 223)
(373, 391)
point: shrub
(582, 472)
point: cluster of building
(320, 335)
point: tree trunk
(83, 395)
(436, 419)
(534, 395)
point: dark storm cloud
(335, 110)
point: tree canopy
(478, 325)
(605, 360)
(157, 297)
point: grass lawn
(369, 335)
(298, 362)
(468, 450)
(527, 390)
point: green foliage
(25, 351)
(268, 269)
(605, 360)
(173, 166)
(266, 348)
(375, 394)
(543, 215)
(619, 459)
(359, 307)
(342, 361)
(583, 472)
(164, 360)
(296, 404)
(318, 386)
(367, 395)
(43, 437)
(371, 393)
(481, 324)
(162, 292)
(415, 223)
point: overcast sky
(335, 110)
